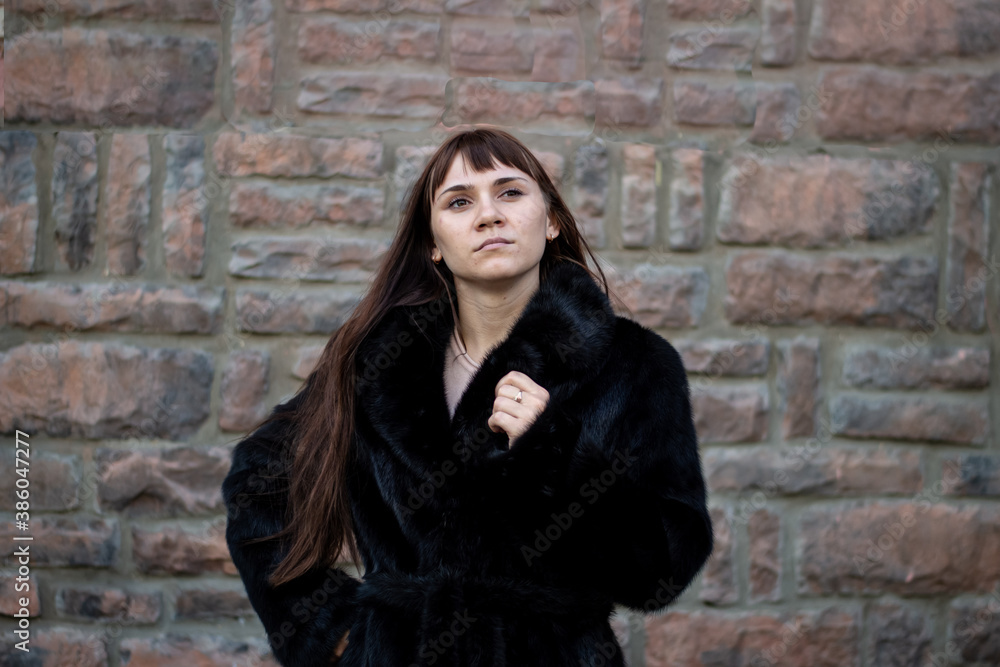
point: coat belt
(466, 613)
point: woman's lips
(495, 244)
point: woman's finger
(518, 380)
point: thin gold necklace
(461, 346)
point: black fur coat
(476, 553)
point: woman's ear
(551, 229)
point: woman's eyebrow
(468, 186)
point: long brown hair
(318, 517)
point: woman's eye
(511, 191)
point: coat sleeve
(628, 482)
(305, 618)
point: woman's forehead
(461, 172)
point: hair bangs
(482, 152)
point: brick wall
(801, 195)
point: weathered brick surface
(109, 605)
(771, 288)
(132, 79)
(287, 207)
(799, 385)
(65, 541)
(621, 30)
(591, 191)
(54, 482)
(973, 628)
(410, 161)
(287, 155)
(74, 198)
(695, 10)
(908, 549)
(554, 165)
(664, 296)
(718, 585)
(324, 39)
(306, 359)
(185, 213)
(813, 469)
(730, 414)
(870, 103)
(303, 258)
(916, 367)
(493, 47)
(686, 222)
(723, 358)
(169, 10)
(638, 214)
(212, 603)
(498, 8)
(779, 20)
(902, 34)
(351, 6)
(253, 54)
(967, 271)
(164, 482)
(765, 546)
(898, 635)
(776, 114)
(115, 307)
(976, 474)
(180, 550)
(918, 418)
(815, 638)
(18, 203)
(245, 381)
(176, 649)
(710, 103)
(725, 49)
(628, 101)
(93, 390)
(62, 647)
(821, 201)
(10, 601)
(559, 49)
(373, 94)
(260, 311)
(128, 194)
(562, 107)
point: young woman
(504, 456)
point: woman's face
(470, 208)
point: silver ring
(518, 397)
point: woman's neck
(487, 315)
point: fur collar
(560, 340)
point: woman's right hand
(337, 652)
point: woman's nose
(488, 212)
